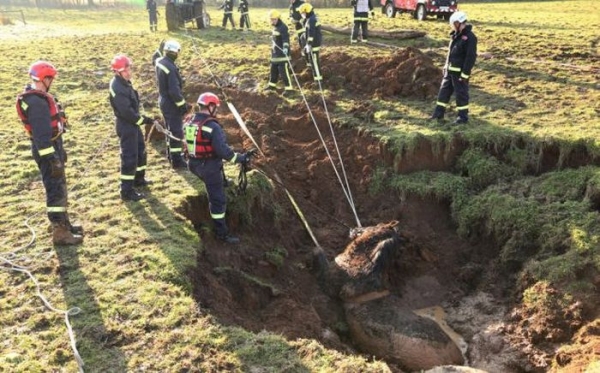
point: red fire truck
(419, 8)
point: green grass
(130, 276)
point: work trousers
(245, 21)
(228, 17)
(361, 22)
(133, 154)
(210, 171)
(283, 69)
(451, 83)
(56, 187)
(174, 123)
(300, 34)
(153, 20)
(315, 64)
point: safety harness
(198, 146)
(57, 115)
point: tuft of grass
(276, 256)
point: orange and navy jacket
(42, 118)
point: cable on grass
(8, 263)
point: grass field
(538, 90)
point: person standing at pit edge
(280, 51)
(171, 101)
(361, 20)
(152, 14)
(462, 54)
(313, 39)
(207, 147)
(44, 123)
(126, 106)
(298, 22)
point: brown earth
(243, 285)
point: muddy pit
(270, 280)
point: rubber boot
(438, 113)
(62, 236)
(228, 238)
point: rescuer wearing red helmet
(125, 102)
(206, 147)
(44, 123)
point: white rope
(159, 127)
(8, 260)
(337, 174)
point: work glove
(57, 170)
(252, 152)
(286, 51)
(147, 120)
(308, 49)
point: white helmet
(460, 17)
(172, 46)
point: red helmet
(42, 69)
(208, 98)
(120, 62)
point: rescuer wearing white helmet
(171, 101)
(461, 58)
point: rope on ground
(159, 127)
(8, 260)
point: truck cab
(420, 9)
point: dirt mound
(407, 73)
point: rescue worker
(313, 38)
(125, 102)
(280, 51)
(244, 17)
(227, 13)
(44, 122)
(462, 54)
(171, 101)
(152, 14)
(361, 20)
(207, 147)
(298, 22)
